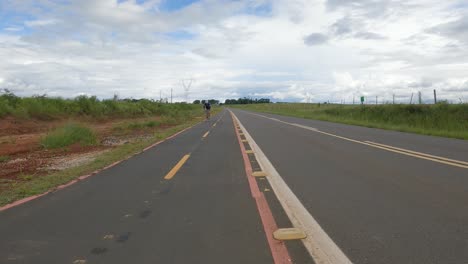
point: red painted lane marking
(30, 198)
(278, 248)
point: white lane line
(420, 155)
(319, 245)
(305, 127)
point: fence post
(435, 97)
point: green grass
(68, 135)
(130, 126)
(4, 158)
(444, 120)
(47, 108)
(35, 185)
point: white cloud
(303, 50)
(38, 23)
(13, 29)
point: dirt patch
(62, 163)
(10, 126)
(112, 141)
(24, 157)
(34, 162)
(14, 144)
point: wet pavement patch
(145, 213)
(98, 250)
(123, 237)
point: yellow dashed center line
(420, 155)
(177, 167)
(415, 154)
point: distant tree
(246, 100)
(196, 102)
(213, 101)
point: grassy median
(445, 120)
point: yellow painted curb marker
(177, 167)
(249, 151)
(289, 234)
(259, 174)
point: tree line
(246, 100)
(211, 101)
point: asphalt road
(378, 206)
(130, 213)
(190, 199)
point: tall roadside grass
(68, 135)
(47, 108)
(439, 120)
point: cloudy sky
(286, 50)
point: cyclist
(207, 108)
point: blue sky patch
(174, 5)
(10, 20)
(260, 10)
(180, 35)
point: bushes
(68, 135)
(45, 108)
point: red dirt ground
(20, 143)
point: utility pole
(187, 88)
(411, 100)
(419, 97)
(353, 98)
(393, 98)
(171, 95)
(435, 97)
